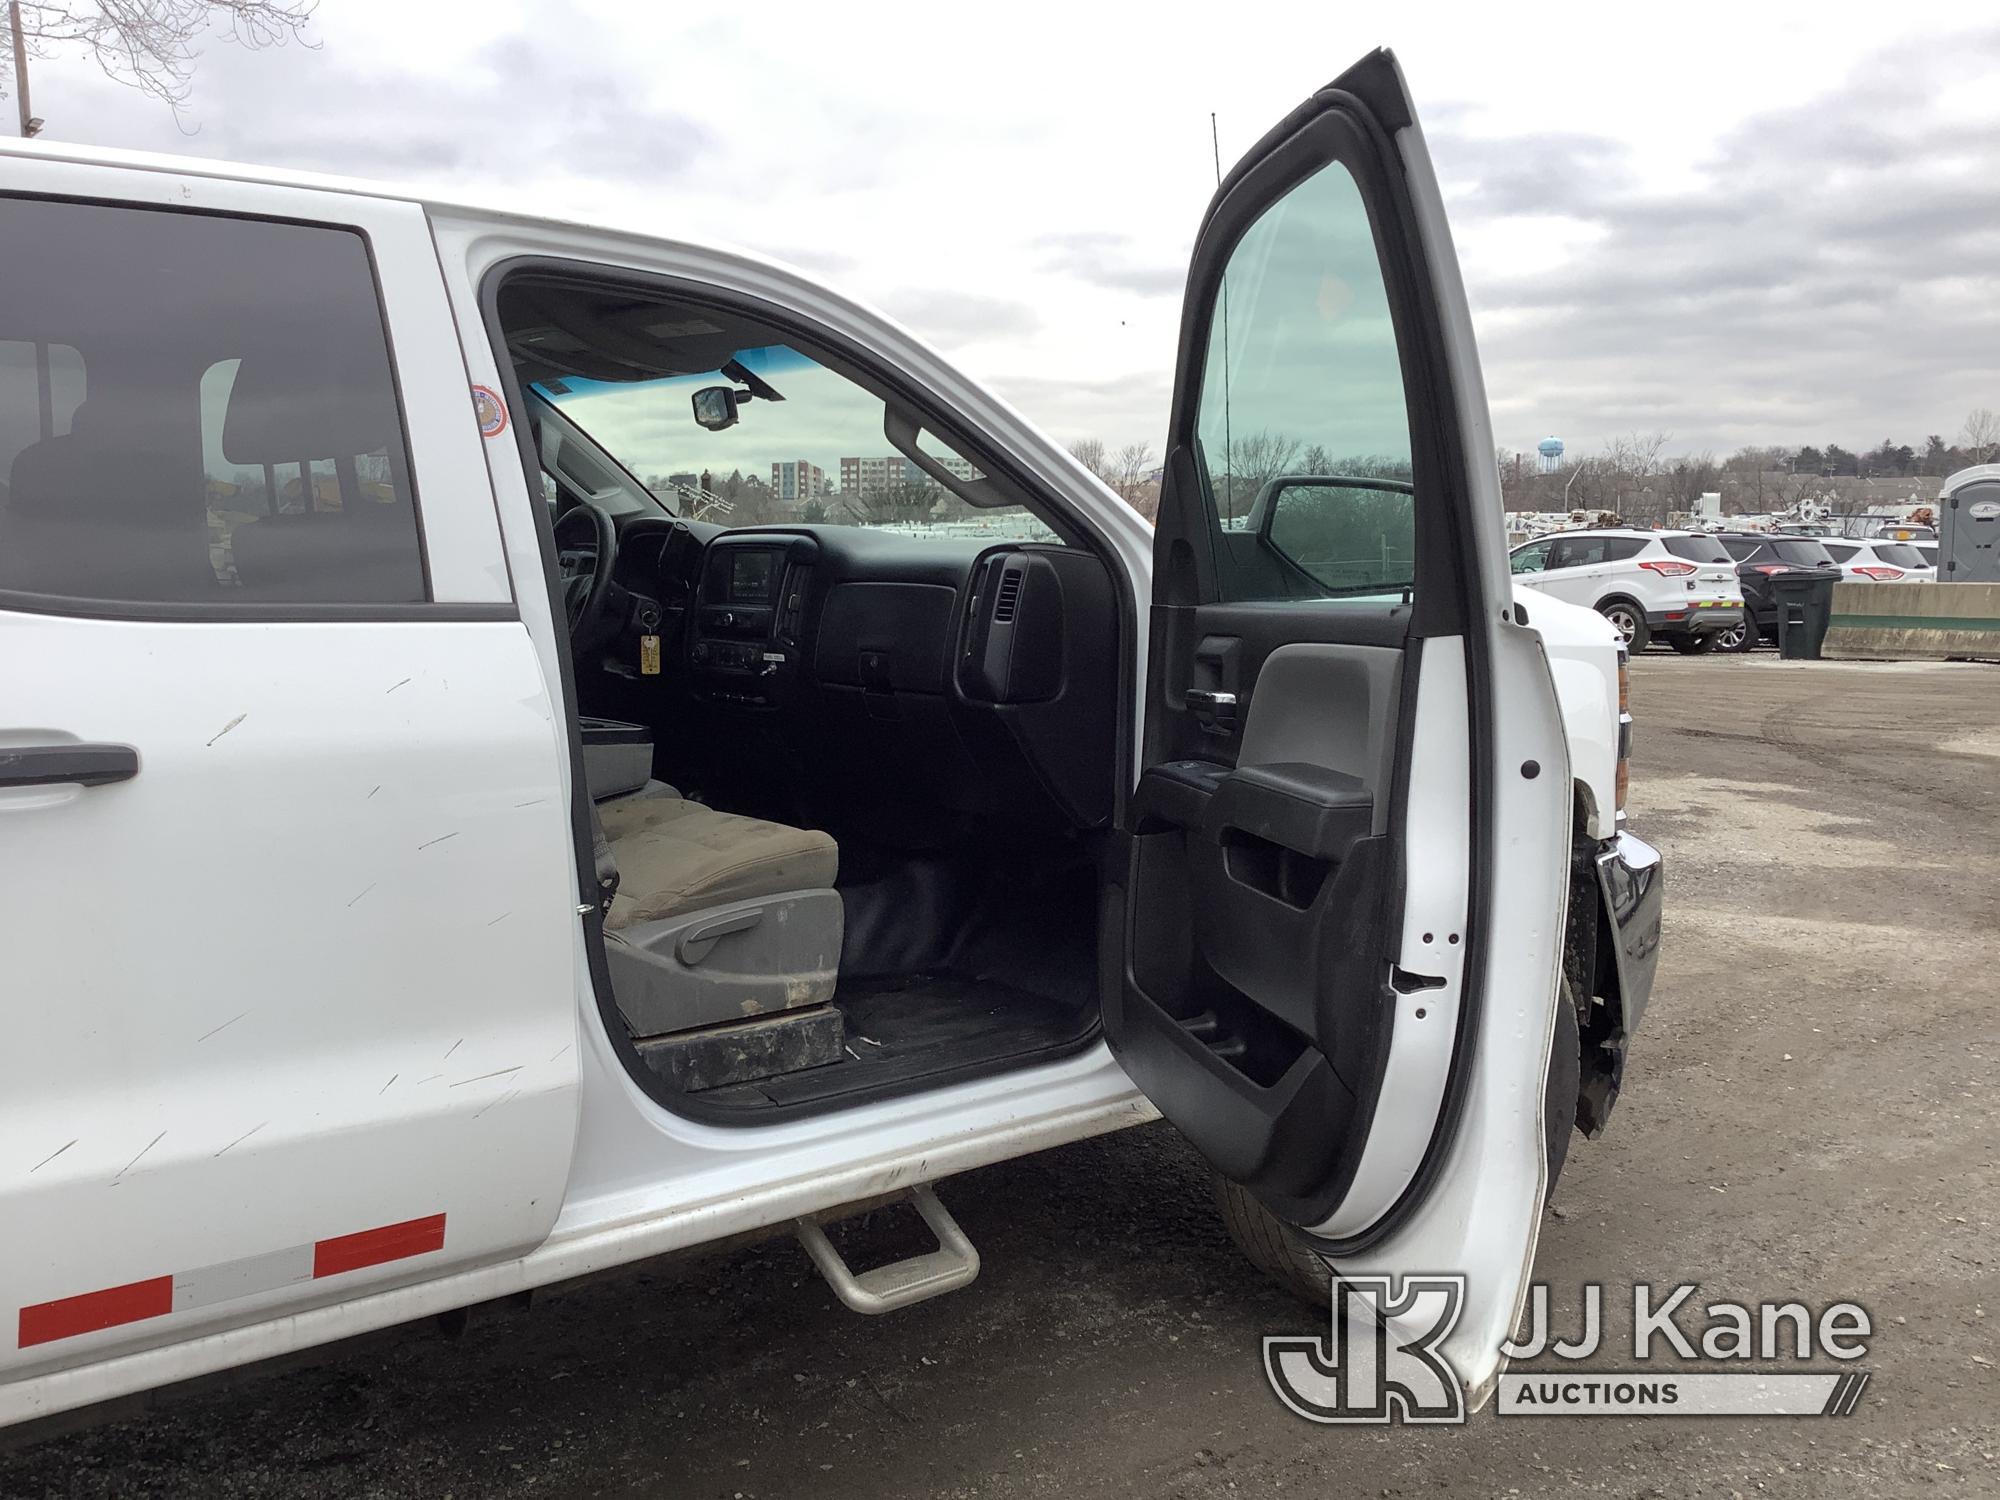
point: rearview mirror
(1346, 535)
(715, 407)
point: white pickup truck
(525, 747)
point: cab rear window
(219, 429)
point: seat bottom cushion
(677, 856)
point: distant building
(1551, 450)
(874, 476)
(798, 481)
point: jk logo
(1379, 1360)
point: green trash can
(1805, 606)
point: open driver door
(1333, 961)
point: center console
(749, 616)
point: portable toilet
(1969, 533)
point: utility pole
(29, 124)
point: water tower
(1551, 449)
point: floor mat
(908, 1028)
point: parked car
(1678, 585)
(1887, 528)
(437, 866)
(1880, 561)
(1761, 556)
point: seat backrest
(107, 509)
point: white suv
(1879, 560)
(1678, 585)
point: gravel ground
(1809, 1113)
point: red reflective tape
(371, 1247)
(68, 1316)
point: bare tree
(1130, 468)
(908, 501)
(1251, 462)
(1691, 477)
(1980, 437)
(1093, 455)
(152, 44)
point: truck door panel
(290, 1008)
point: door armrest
(1176, 794)
(1314, 811)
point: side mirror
(1346, 535)
(715, 407)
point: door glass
(1302, 429)
(222, 431)
(1531, 559)
(1577, 552)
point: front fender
(1582, 650)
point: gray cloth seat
(675, 856)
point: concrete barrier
(1914, 621)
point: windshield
(810, 450)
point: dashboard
(854, 674)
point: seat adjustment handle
(696, 943)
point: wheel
(1692, 645)
(1273, 1246)
(1282, 1253)
(1565, 1077)
(1738, 637)
(1631, 623)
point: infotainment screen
(753, 576)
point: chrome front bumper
(1631, 877)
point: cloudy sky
(1734, 223)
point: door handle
(62, 765)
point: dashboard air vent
(1009, 598)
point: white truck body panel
(504, 1106)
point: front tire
(1630, 621)
(1283, 1253)
(1738, 638)
(1273, 1246)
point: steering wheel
(587, 553)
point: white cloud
(1709, 219)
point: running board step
(901, 1283)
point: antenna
(1228, 441)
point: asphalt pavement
(1811, 1113)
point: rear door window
(1576, 552)
(1841, 551)
(1618, 548)
(223, 429)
